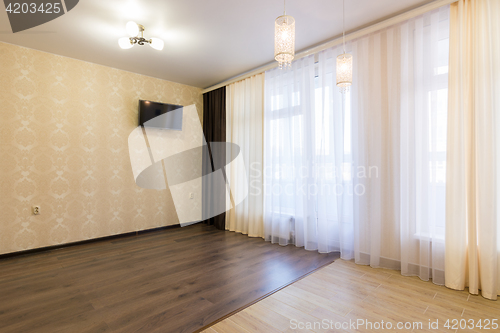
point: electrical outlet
(191, 195)
(36, 210)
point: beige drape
(472, 223)
(244, 127)
(399, 97)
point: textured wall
(64, 126)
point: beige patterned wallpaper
(64, 126)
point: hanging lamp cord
(343, 23)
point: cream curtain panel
(473, 222)
(244, 127)
(399, 106)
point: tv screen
(160, 115)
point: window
(431, 76)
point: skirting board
(93, 240)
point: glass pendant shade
(284, 40)
(344, 72)
(125, 43)
(157, 44)
(132, 29)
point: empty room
(249, 166)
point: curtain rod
(336, 41)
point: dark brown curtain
(214, 128)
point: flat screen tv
(160, 115)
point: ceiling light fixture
(136, 33)
(284, 39)
(344, 62)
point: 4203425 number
(482, 324)
(32, 8)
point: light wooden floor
(344, 291)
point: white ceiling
(206, 41)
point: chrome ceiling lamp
(136, 33)
(284, 39)
(344, 62)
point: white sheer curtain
(382, 150)
(473, 220)
(399, 105)
(306, 201)
(244, 127)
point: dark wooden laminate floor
(174, 280)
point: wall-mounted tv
(160, 115)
